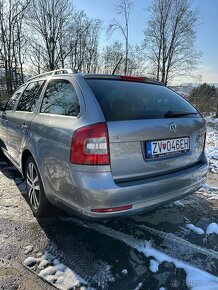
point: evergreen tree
(205, 98)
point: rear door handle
(5, 122)
(24, 127)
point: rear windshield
(124, 100)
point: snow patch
(212, 229)
(30, 261)
(179, 203)
(47, 271)
(54, 272)
(209, 192)
(212, 148)
(195, 229)
(212, 120)
(208, 187)
(43, 263)
(28, 249)
(124, 272)
(139, 286)
(196, 279)
(154, 265)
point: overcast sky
(207, 32)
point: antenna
(117, 65)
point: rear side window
(30, 97)
(60, 98)
(123, 100)
(13, 100)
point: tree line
(38, 36)
(205, 98)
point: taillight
(90, 145)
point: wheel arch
(25, 155)
(45, 205)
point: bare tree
(92, 54)
(112, 56)
(62, 36)
(12, 14)
(49, 22)
(112, 59)
(83, 40)
(170, 39)
(123, 8)
(136, 61)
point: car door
(20, 120)
(6, 113)
(52, 130)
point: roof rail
(54, 72)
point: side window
(60, 98)
(30, 97)
(13, 100)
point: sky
(207, 30)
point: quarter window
(13, 100)
(30, 97)
(61, 99)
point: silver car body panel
(127, 145)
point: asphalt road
(107, 255)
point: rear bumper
(98, 190)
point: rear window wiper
(171, 114)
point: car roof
(70, 72)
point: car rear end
(148, 148)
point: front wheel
(35, 191)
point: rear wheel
(35, 191)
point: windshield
(123, 100)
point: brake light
(133, 79)
(90, 145)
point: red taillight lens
(90, 145)
(112, 209)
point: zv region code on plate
(161, 148)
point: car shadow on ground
(8, 169)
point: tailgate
(138, 112)
(128, 146)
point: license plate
(168, 147)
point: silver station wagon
(102, 145)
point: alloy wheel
(33, 187)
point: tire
(37, 199)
